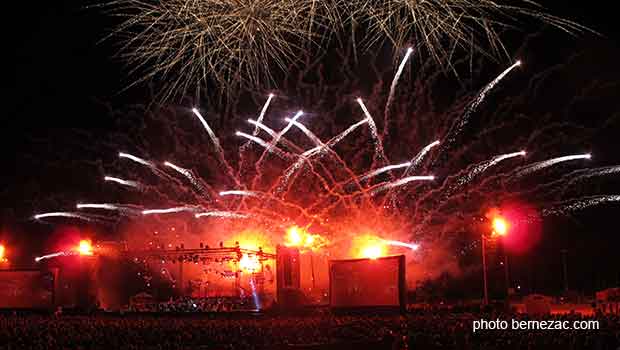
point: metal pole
(484, 272)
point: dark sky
(59, 74)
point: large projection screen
(26, 289)
(359, 283)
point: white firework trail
(261, 116)
(334, 140)
(136, 159)
(401, 182)
(269, 147)
(477, 170)
(104, 206)
(53, 255)
(414, 164)
(307, 132)
(417, 160)
(172, 210)
(412, 246)
(275, 140)
(274, 134)
(119, 181)
(588, 173)
(261, 126)
(189, 175)
(388, 104)
(240, 193)
(222, 214)
(64, 214)
(456, 129)
(579, 204)
(379, 152)
(318, 150)
(218, 147)
(380, 171)
(528, 169)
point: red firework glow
(2, 253)
(300, 238)
(249, 263)
(85, 247)
(369, 247)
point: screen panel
(367, 282)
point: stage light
(85, 247)
(2, 253)
(372, 252)
(500, 226)
(249, 263)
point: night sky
(63, 82)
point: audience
(418, 329)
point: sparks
(122, 182)
(168, 210)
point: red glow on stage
(85, 247)
(369, 247)
(300, 238)
(249, 263)
(500, 226)
(2, 253)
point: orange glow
(249, 263)
(500, 226)
(372, 252)
(85, 247)
(251, 240)
(298, 237)
(369, 247)
(2, 252)
(293, 237)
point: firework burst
(335, 185)
(187, 46)
(234, 42)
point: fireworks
(300, 238)
(290, 191)
(169, 210)
(249, 263)
(122, 182)
(187, 45)
(547, 163)
(85, 247)
(441, 27)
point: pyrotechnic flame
(249, 263)
(500, 226)
(300, 238)
(85, 247)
